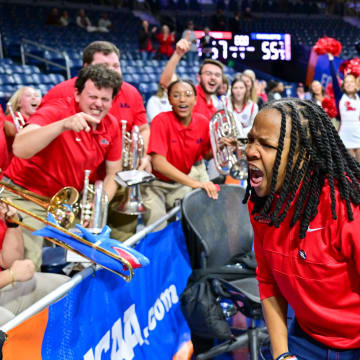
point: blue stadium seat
(23, 79)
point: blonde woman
(25, 101)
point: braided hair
(316, 152)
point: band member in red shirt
(178, 138)
(62, 140)
(304, 204)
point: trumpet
(132, 152)
(17, 118)
(51, 209)
(227, 161)
(94, 205)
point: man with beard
(209, 79)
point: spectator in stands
(209, 78)
(20, 286)
(4, 158)
(300, 92)
(172, 161)
(260, 86)
(158, 102)
(84, 22)
(274, 90)
(235, 23)
(218, 21)
(247, 13)
(206, 44)
(166, 42)
(249, 77)
(128, 104)
(317, 92)
(222, 91)
(304, 198)
(24, 102)
(77, 132)
(64, 18)
(104, 23)
(242, 107)
(189, 34)
(53, 18)
(146, 38)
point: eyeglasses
(177, 95)
(209, 73)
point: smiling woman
(178, 139)
(304, 198)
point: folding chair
(216, 230)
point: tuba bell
(131, 154)
(228, 159)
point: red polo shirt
(127, 104)
(319, 275)
(4, 157)
(64, 160)
(3, 229)
(202, 106)
(180, 145)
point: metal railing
(25, 54)
(79, 277)
(1, 48)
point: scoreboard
(253, 46)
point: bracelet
(12, 276)
(287, 356)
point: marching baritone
(178, 138)
(63, 139)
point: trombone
(51, 208)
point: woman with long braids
(304, 197)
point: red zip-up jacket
(319, 275)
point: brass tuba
(131, 154)
(228, 160)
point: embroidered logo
(199, 141)
(348, 106)
(104, 142)
(77, 139)
(316, 229)
(124, 105)
(302, 254)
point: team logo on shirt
(124, 105)
(103, 141)
(348, 106)
(199, 141)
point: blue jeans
(306, 348)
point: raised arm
(336, 87)
(182, 47)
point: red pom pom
(353, 67)
(329, 106)
(327, 45)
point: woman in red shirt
(304, 203)
(166, 41)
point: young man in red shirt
(304, 204)
(178, 138)
(63, 139)
(127, 105)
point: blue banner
(107, 318)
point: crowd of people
(303, 176)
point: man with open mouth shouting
(304, 197)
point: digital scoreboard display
(253, 46)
